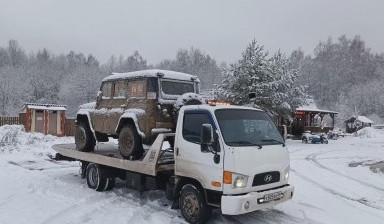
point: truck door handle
(177, 151)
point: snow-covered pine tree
(271, 78)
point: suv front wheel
(84, 139)
(130, 143)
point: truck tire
(193, 205)
(111, 182)
(84, 139)
(130, 143)
(96, 177)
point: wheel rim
(191, 206)
(127, 142)
(93, 177)
(80, 138)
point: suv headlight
(286, 173)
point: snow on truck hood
(153, 73)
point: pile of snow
(14, 139)
(188, 99)
(369, 132)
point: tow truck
(224, 157)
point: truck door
(190, 161)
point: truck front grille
(266, 178)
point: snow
(364, 119)
(153, 73)
(36, 189)
(369, 132)
(91, 105)
(315, 110)
(183, 99)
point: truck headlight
(239, 181)
(286, 173)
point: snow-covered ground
(332, 185)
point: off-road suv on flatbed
(134, 107)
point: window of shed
(107, 89)
(136, 88)
(120, 90)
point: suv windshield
(242, 127)
(176, 88)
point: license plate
(273, 196)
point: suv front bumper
(236, 205)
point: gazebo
(312, 119)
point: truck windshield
(176, 88)
(242, 127)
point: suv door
(118, 104)
(99, 115)
(190, 161)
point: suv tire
(130, 143)
(84, 139)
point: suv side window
(107, 90)
(136, 88)
(192, 126)
(119, 89)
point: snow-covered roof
(153, 73)
(41, 106)
(364, 119)
(310, 109)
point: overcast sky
(157, 28)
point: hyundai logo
(268, 178)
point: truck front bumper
(236, 205)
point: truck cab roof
(213, 108)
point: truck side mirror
(206, 137)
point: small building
(354, 123)
(45, 118)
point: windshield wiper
(273, 140)
(242, 142)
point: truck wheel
(96, 178)
(193, 205)
(84, 139)
(130, 143)
(111, 182)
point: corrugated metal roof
(44, 106)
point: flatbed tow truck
(227, 157)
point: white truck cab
(236, 154)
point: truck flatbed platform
(108, 155)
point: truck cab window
(192, 126)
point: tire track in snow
(361, 201)
(312, 157)
(264, 216)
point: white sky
(155, 28)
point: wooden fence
(70, 126)
(9, 120)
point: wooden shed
(45, 118)
(354, 124)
